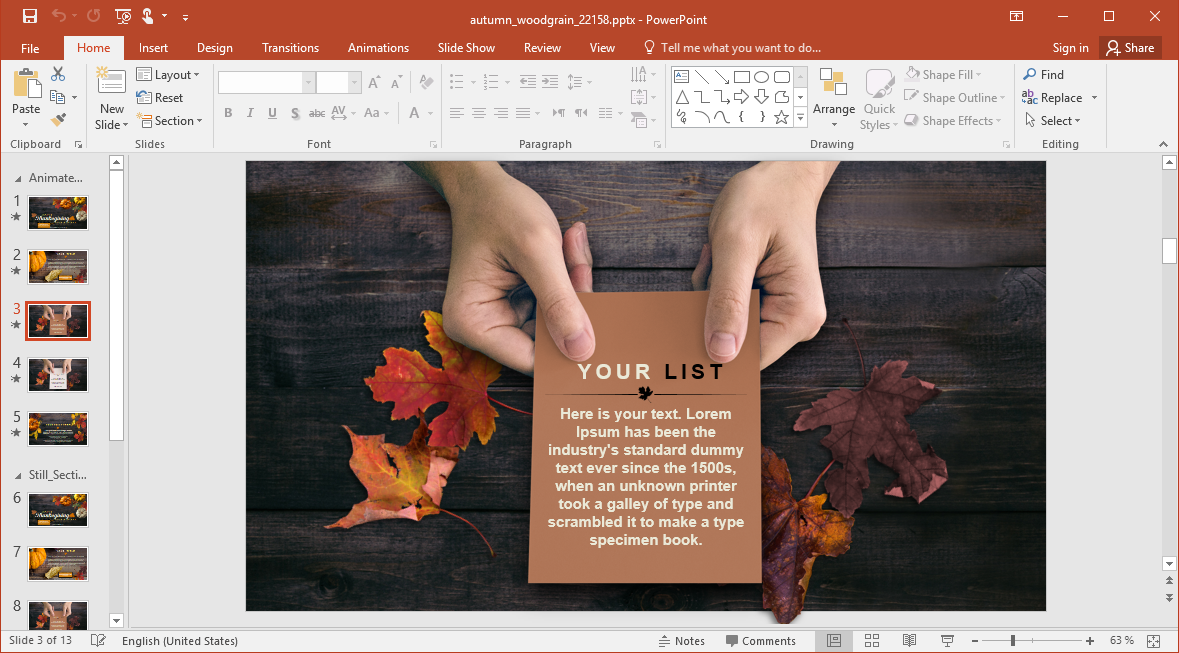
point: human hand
(66, 312)
(507, 259)
(762, 233)
(48, 311)
(69, 365)
(47, 609)
(69, 609)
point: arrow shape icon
(761, 96)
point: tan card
(57, 326)
(646, 459)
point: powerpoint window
(510, 326)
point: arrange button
(117, 620)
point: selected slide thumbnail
(65, 266)
(57, 212)
(54, 563)
(58, 321)
(57, 429)
(57, 615)
(57, 510)
(57, 375)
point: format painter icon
(58, 119)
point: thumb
(578, 260)
(567, 321)
(727, 318)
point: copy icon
(20, 81)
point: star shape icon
(15, 432)
(16, 216)
(780, 118)
(16, 378)
(16, 270)
(16, 324)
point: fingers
(735, 257)
(488, 329)
(703, 269)
(785, 324)
(543, 269)
(578, 260)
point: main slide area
(933, 280)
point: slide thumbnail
(68, 321)
(57, 266)
(57, 510)
(57, 212)
(49, 563)
(57, 374)
(54, 429)
(57, 615)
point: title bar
(219, 29)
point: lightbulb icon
(650, 45)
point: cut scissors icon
(57, 75)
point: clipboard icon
(20, 81)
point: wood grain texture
(974, 326)
(377, 216)
(993, 441)
(937, 263)
(970, 561)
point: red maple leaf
(413, 384)
(793, 534)
(402, 482)
(871, 422)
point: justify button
(1129, 47)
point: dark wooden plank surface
(347, 215)
(992, 439)
(937, 263)
(957, 561)
(974, 326)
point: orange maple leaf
(793, 535)
(402, 482)
(415, 385)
